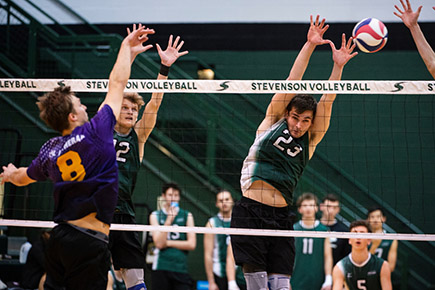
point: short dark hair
(168, 185)
(224, 190)
(54, 108)
(302, 103)
(306, 196)
(358, 223)
(331, 197)
(375, 208)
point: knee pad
(256, 280)
(133, 278)
(279, 282)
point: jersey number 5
(281, 141)
(71, 167)
(360, 284)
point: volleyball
(370, 35)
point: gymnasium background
(379, 148)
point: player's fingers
(170, 40)
(159, 49)
(311, 20)
(322, 23)
(180, 45)
(183, 53)
(419, 10)
(317, 19)
(145, 48)
(398, 9)
(176, 41)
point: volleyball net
(379, 150)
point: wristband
(328, 281)
(232, 285)
(164, 70)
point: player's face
(79, 110)
(171, 195)
(129, 113)
(359, 243)
(376, 219)
(224, 202)
(299, 124)
(308, 209)
(330, 209)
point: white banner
(226, 86)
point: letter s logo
(224, 86)
(398, 87)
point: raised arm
(148, 121)
(410, 18)
(131, 46)
(16, 176)
(279, 102)
(324, 107)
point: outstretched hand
(316, 31)
(344, 54)
(408, 16)
(136, 37)
(172, 52)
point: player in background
(360, 269)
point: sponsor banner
(226, 86)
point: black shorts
(271, 254)
(125, 246)
(167, 280)
(76, 260)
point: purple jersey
(83, 167)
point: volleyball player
(129, 138)
(385, 249)
(285, 141)
(314, 254)
(170, 261)
(360, 269)
(82, 165)
(330, 207)
(215, 246)
(410, 18)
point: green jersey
(276, 158)
(172, 259)
(309, 267)
(220, 245)
(383, 249)
(364, 276)
(127, 156)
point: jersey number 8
(71, 167)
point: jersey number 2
(71, 167)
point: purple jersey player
(82, 165)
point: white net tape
(234, 231)
(226, 86)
